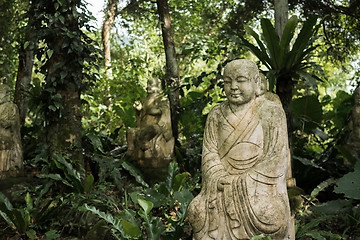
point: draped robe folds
(251, 154)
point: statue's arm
(212, 168)
(275, 158)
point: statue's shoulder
(216, 112)
(218, 108)
(271, 110)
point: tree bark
(172, 79)
(281, 15)
(110, 14)
(23, 79)
(284, 84)
(64, 129)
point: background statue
(151, 142)
(354, 124)
(244, 164)
(11, 162)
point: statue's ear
(258, 91)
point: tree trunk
(110, 14)
(281, 15)
(172, 79)
(64, 129)
(23, 79)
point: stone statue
(244, 164)
(11, 162)
(354, 124)
(151, 142)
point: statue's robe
(252, 154)
(11, 159)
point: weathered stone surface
(355, 121)
(11, 162)
(151, 142)
(244, 163)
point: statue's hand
(222, 182)
(137, 105)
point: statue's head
(242, 81)
(4, 93)
(153, 86)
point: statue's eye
(242, 79)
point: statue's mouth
(237, 95)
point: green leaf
(334, 207)
(322, 186)
(115, 223)
(130, 229)
(96, 142)
(88, 184)
(308, 108)
(184, 197)
(98, 231)
(173, 169)
(263, 57)
(288, 33)
(20, 220)
(349, 184)
(29, 201)
(6, 202)
(272, 42)
(310, 80)
(179, 181)
(135, 173)
(26, 44)
(7, 219)
(145, 205)
(70, 172)
(307, 227)
(301, 43)
(262, 53)
(49, 53)
(56, 177)
(31, 234)
(52, 234)
(154, 229)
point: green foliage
(279, 55)
(308, 111)
(121, 228)
(168, 200)
(349, 184)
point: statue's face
(239, 85)
(153, 86)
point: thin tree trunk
(64, 132)
(172, 79)
(281, 15)
(284, 84)
(284, 88)
(110, 14)
(23, 79)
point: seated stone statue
(151, 142)
(244, 164)
(11, 162)
(354, 123)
